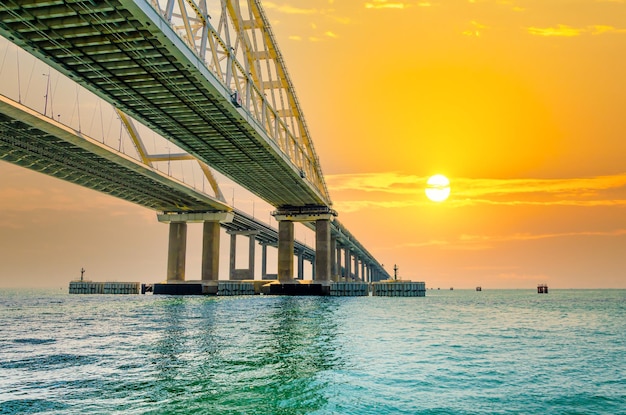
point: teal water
(452, 352)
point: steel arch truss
(234, 40)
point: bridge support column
(333, 258)
(210, 250)
(338, 266)
(263, 261)
(285, 250)
(300, 265)
(233, 256)
(176, 252)
(178, 242)
(363, 271)
(247, 273)
(347, 263)
(321, 215)
(322, 250)
(251, 256)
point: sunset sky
(520, 103)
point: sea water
(451, 352)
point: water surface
(452, 352)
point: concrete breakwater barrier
(252, 287)
(227, 288)
(349, 289)
(94, 287)
(399, 289)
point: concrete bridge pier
(177, 248)
(323, 251)
(248, 273)
(264, 274)
(338, 266)
(285, 250)
(347, 263)
(333, 258)
(286, 217)
(300, 256)
(210, 250)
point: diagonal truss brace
(148, 159)
(235, 41)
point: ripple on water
(50, 362)
(31, 406)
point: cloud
(485, 242)
(507, 3)
(568, 31)
(326, 16)
(288, 9)
(602, 29)
(475, 30)
(583, 187)
(384, 4)
(560, 30)
(394, 190)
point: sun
(438, 188)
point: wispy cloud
(320, 20)
(288, 9)
(384, 4)
(476, 29)
(568, 31)
(484, 242)
(388, 4)
(602, 29)
(395, 190)
(512, 4)
(560, 30)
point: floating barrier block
(86, 287)
(226, 288)
(399, 289)
(91, 287)
(349, 289)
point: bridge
(207, 77)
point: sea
(451, 352)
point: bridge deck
(126, 53)
(31, 140)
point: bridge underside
(35, 142)
(31, 140)
(138, 63)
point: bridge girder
(222, 92)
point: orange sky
(520, 103)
